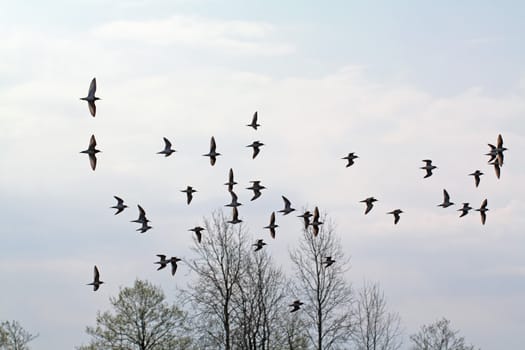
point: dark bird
(254, 124)
(350, 157)
(92, 151)
(259, 244)
(396, 213)
(212, 154)
(90, 98)
(173, 262)
(315, 222)
(142, 216)
(329, 261)
(189, 193)
(287, 206)
(272, 226)
(446, 200)
(256, 145)
(496, 152)
(96, 280)
(167, 151)
(465, 209)
(296, 305)
(235, 217)
(256, 188)
(482, 210)
(120, 205)
(497, 168)
(162, 262)
(197, 230)
(306, 217)
(234, 202)
(231, 181)
(476, 175)
(144, 228)
(428, 167)
(369, 204)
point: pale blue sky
(393, 83)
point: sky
(393, 82)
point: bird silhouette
(446, 200)
(464, 210)
(212, 154)
(254, 124)
(296, 305)
(173, 262)
(350, 157)
(256, 187)
(428, 167)
(306, 217)
(92, 151)
(144, 228)
(96, 279)
(197, 230)
(259, 244)
(287, 206)
(235, 217)
(162, 262)
(189, 194)
(369, 203)
(396, 213)
(120, 205)
(315, 222)
(231, 181)
(496, 152)
(167, 151)
(90, 98)
(328, 261)
(482, 210)
(234, 202)
(142, 216)
(256, 145)
(477, 174)
(272, 226)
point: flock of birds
(311, 220)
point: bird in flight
(396, 213)
(142, 216)
(96, 279)
(256, 145)
(189, 193)
(259, 244)
(144, 228)
(256, 188)
(464, 210)
(173, 262)
(162, 262)
(235, 217)
(167, 151)
(482, 210)
(306, 217)
(287, 206)
(197, 230)
(231, 181)
(496, 152)
(296, 305)
(120, 205)
(272, 226)
(497, 168)
(234, 202)
(315, 222)
(212, 154)
(369, 203)
(446, 200)
(428, 167)
(328, 261)
(350, 157)
(92, 151)
(254, 124)
(90, 98)
(477, 174)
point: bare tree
(323, 289)
(14, 337)
(375, 328)
(439, 336)
(141, 319)
(219, 266)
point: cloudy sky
(394, 83)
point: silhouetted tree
(141, 319)
(14, 337)
(374, 327)
(438, 336)
(326, 295)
